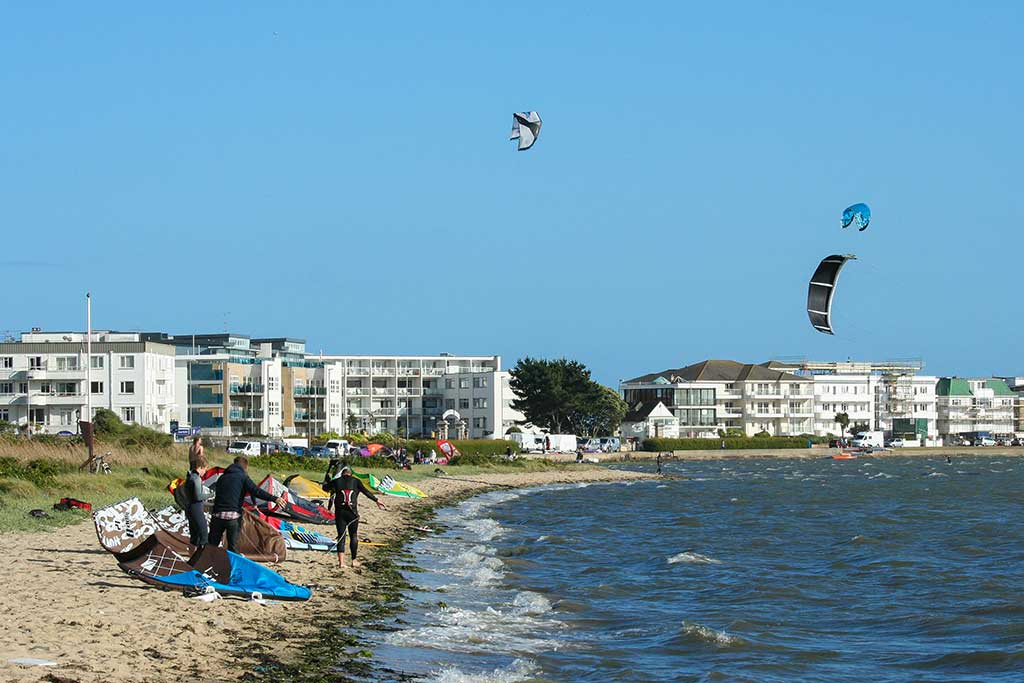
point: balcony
(237, 389)
(408, 392)
(303, 416)
(357, 370)
(433, 372)
(309, 391)
(245, 415)
(357, 391)
(383, 391)
(409, 371)
(205, 397)
(205, 421)
(765, 395)
(383, 369)
(204, 373)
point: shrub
(108, 428)
(42, 473)
(495, 447)
(284, 463)
(730, 443)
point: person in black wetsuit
(345, 490)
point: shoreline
(78, 609)
(796, 453)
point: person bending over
(232, 487)
(345, 490)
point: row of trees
(560, 396)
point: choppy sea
(878, 569)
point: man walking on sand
(345, 490)
(195, 452)
(232, 488)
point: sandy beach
(66, 601)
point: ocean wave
(489, 630)
(692, 558)
(699, 633)
(519, 670)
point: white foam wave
(520, 670)
(710, 635)
(531, 603)
(692, 558)
(454, 629)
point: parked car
(319, 452)
(1017, 442)
(298, 450)
(337, 447)
(247, 448)
(986, 441)
(895, 443)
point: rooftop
(718, 371)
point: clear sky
(342, 173)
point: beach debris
(32, 661)
(857, 215)
(38, 513)
(821, 291)
(207, 594)
(525, 128)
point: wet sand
(65, 600)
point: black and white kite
(822, 289)
(525, 128)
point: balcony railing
(357, 391)
(204, 373)
(309, 391)
(246, 414)
(383, 391)
(246, 389)
(206, 398)
(357, 370)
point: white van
(247, 448)
(337, 447)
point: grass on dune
(38, 475)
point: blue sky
(342, 173)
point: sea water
(878, 569)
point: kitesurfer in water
(345, 490)
(198, 531)
(232, 488)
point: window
(449, 404)
(335, 410)
(479, 402)
(273, 408)
(22, 387)
(479, 382)
(67, 388)
(127, 387)
(96, 362)
(67, 363)
(128, 414)
(5, 415)
(35, 362)
(6, 362)
(463, 404)
(6, 387)
(127, 362)
(694, 397)
(480, 423)
(764, 407)
(37, 415)
(45, 388)
(449, 384)
(96, 387)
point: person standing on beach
(195, 494)
(195, 452)
(345, 490)
(232, 488)
(659, 462)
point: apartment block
(718, 395)
(969, 406)
(44, 378)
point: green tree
(560, 395)
(598, 411)
(352, 423)
(107, 423)
(843, 420)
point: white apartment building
(969, 406)
(44, 379)
(722, 394)
(467, 395)
(888, 396)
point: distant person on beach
(232, 487)
(195, 452)
(579, 454)
(195, 494)
(345, 490)
(659, 463)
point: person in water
(195, 494)
(345, 490)
(659, 462)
